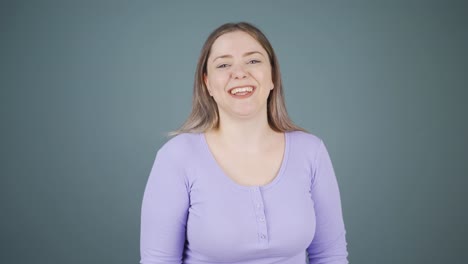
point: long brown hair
(205, 116)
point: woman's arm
(164, 211)
(329, 243)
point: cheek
(264, 76)
(218, 80)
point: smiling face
(237, 60)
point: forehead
(235, 43)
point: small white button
(261, 219)
(262, 236)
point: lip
(239, 86)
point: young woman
(239, 182)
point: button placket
(257, 200)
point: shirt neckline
(277, 178)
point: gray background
(89, 87)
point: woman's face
(237, 60)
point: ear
(205, 81)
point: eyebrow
(245, 55)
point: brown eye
(221, 66)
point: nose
(238, 72)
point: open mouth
(242, 91)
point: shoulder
(305, 140)
(305, 145)
(181, 146)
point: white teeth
(241, 90)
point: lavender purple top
(193, 213)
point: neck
(249, 134)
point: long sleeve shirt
(193, 213)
